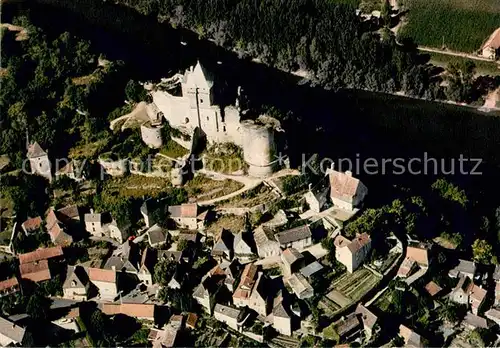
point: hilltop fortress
(187, 102)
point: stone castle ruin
(187, 103)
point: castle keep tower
(259, 148)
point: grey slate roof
(464, 266)
(11, 330)
(175, 256)
(294, 234)
(156, 235)
(228, 311)
(311, 268)
(291, 255)
(78, 274)
(92, 217)
(280, 311)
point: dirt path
(454, 53)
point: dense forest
(325, 38)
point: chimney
(348, 173)
(310, 187)
(113, 268)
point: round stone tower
(151, 135)
(259, 148)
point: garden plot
(351, 287)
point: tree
(38, 306)
(482, 251)
(453, 312)
(163, 272)
(182, 245)
(135, 92)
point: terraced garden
(352, 286)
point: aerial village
(262, 264)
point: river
(343, 124)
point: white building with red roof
(105, 281)
(184, 215)
(352, 253)
(492, 45)
(346, 191)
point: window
(40, 164)
(186, 120)
(201, 101)
(208, 118)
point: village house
(184, 215)
(466, 292)
(156, 236)
(491, 47)
(348, 327)
(282, 319)
(171, 255)
(77, 284)
(346, 192)
(241, 295)
(297, 238)
(34, 265)
(146, 269)
(267, 246)
(433, 289)
(58, 230)
(410, 337)
(419, 252)
(191, 321)
(147, 210)
(232, 317)
(223, 248)
(188, 236)
(232, 270)
(259, 298)
(408, 266)
(472, 321)
(73, 170)
(125, 258)
(311, 269)
(93, 224)
(352, 253)
(494, 315)
(31, 225)
(39, 161)
(105, 281)
(464, 268)
(37, 271)
(241, 246)
(210, 285)
(300, 286)
(9, 286)
(317, 197)
(11, 334)
(141, 311)
(291, 261)
(177, 279)
(368, 319)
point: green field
(482, 67)
(463, 25)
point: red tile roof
(494, 40)
(432, 288)
(102, 275)
(41, 254)
(359, 242)
(191, 320)
(8, 284)
(32, 224)
(342, 185)
(189, 210)
(136, 310)
(35, 271)
(69, 212)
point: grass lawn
(138, 186)
(482, 67)
(173, 150)
(464, 24)
(233, 223)
(203, 188)
(88, 150)
(259, 195)
(355, 285)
